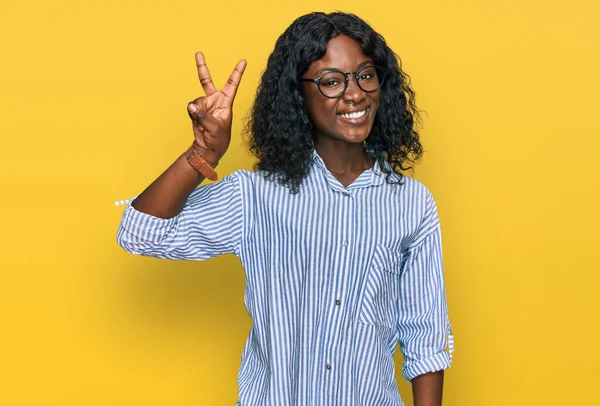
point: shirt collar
(371, 177)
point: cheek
(313, 103)
(328, 108)
(375, 106)
(322, 110)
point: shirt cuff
(437, 362)
(145, 226)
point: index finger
(231, 87)
(204, 75)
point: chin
(354, 136)
(355, 140)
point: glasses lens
(370, 78)
(332, 84)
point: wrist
(201, 163)
(210, 155)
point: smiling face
(347, 118)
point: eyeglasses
(334, 82)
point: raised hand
(212, 114)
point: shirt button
(328, 367)
(337, 302)
(346, 194)
(345, 244)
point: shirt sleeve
(209, 225)
(424, 330)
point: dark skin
(428, 388)
(338, 140)
(340, 143)
(211, 117)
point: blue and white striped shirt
(335, 277)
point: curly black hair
(279, 130)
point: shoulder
(253, 184)
(258, 180)
(419, 206)
(414, 192)
(422, 211)
(246, 178)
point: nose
(353, 92)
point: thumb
(196, 109)
(195, 112)
(192, 108)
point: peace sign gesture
(212, 114)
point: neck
(343, 158)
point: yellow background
(92, 104)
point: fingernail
(192, 108)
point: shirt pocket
(379, 301)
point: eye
(367, 74)
(330, 82)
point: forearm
(166, 196)
(211, 123)
(427, 389)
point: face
(350, 117)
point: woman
(342, 253)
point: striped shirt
(335, 277)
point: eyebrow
(328, 69)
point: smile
(356, 117)
(357, 114)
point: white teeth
(357, 114)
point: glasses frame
(317, 80)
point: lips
(355, 117)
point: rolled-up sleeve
(210, 224)
(424, 330)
